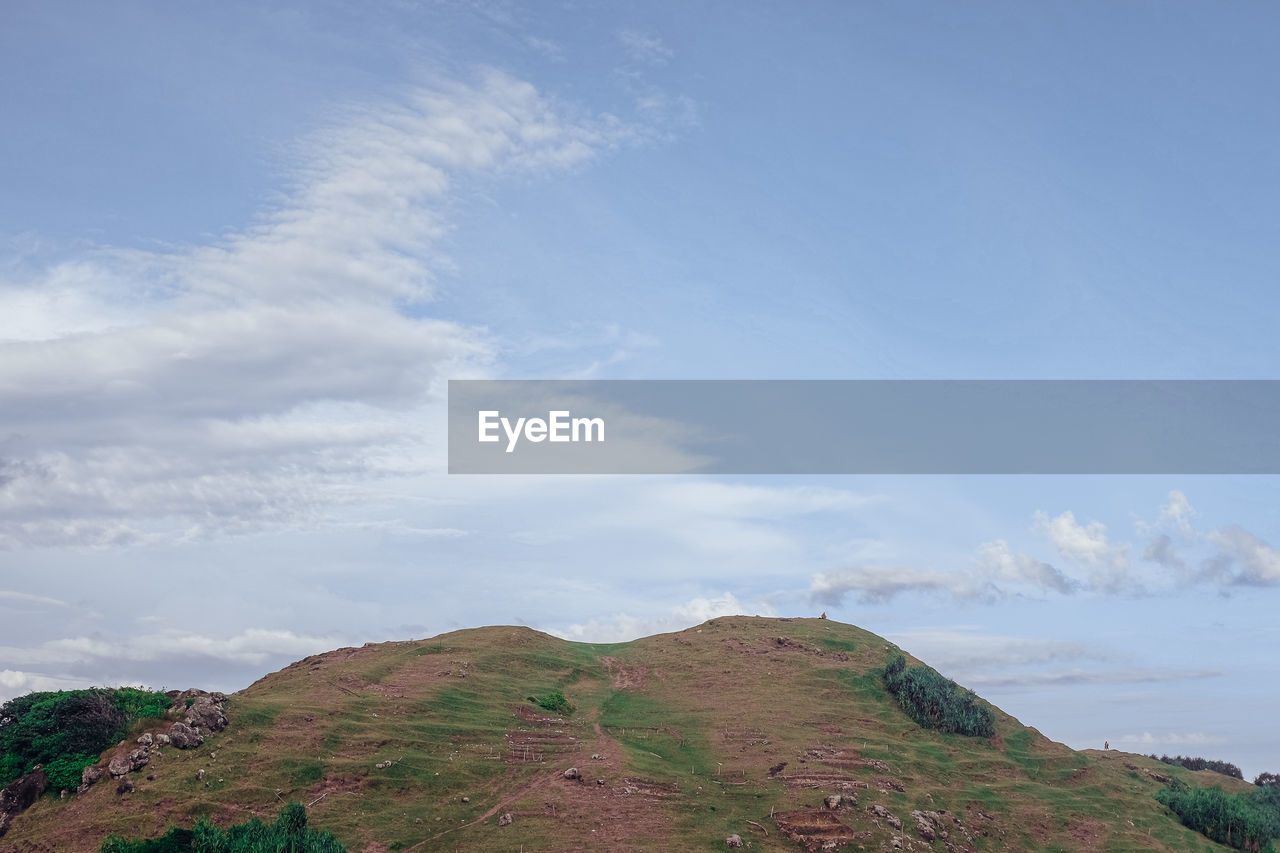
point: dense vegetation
(1226, 768)
(289, 834)
(1242, 821)
(1267, 779)
(937, 702)
(65, 730)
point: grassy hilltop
(740, 726)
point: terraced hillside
(740, 726)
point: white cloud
(1087, 544)
(877, 584)
(967, 650)
(250, 646)
(258, 379)
(622, 626)
(999, 562)
(1084, 543)
(15, 682)
(1242, 559)
(1172, 739)
(1177, 514)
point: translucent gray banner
(864, 427)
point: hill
(740, 726)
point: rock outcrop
(122, 765)
(88, 777)
(202, 715)
(18, 795)
(183, 736)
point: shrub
(64, 772)
(1267, 780)
(1226, 768)
(289, 834)
(937, 702)
(554, 702)
(1236, 820)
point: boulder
(505, 820)
(18, 795)
(162, 739)
(572, 773)
(146, 739)
(129, 762)
(927, 824)
(183, 736)
(733, 841)
(205, 715)
(88, 776)
(881, 812)
(833, 801)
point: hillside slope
(738, 726)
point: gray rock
(572, 773)
(183, 736)
(20, 794)
(833, 801)
(505, 820)
(146, 739)
(123, 764)
(881, 812)
(88, 777)
(205, 715)
(927, 824)
(733, 841)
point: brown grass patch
(815, 829)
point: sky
(244, 246)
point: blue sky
(243, 248)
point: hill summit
(769, 733)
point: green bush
(62, 729)
(553, 702)
(937, 702)
(64, 772)
(1226, 768)
(289, 834)
(1237, 820)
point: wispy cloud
(623, 626)
(1089, 676)
(1171, 739)
(257, 380)
(249, 646)
(645, 47)
(27, 600)
(876, 584)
